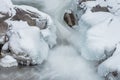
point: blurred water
(64, 61)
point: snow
(114, 6)
(95, 18)
(7, 7)
(8, 61)
(28, 41)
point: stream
(64, 61)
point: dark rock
(115, 73)
(25, 16)
(99, 8)
(69, 18)
(32, 18)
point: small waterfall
(64, 62)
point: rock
(3, 28)
(32, 18)
(99, 8)
(69, 18)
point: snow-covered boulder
(110, 68)
(101, 36)
(26, 43)
(8, 61)
(26, 33)
(39, 19)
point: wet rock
(69, 18)
(99, 8)
(32, 18)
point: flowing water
(64, 61)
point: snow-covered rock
(26, 33)
(6, 9)
(101, 36)
(26, 43)
(37, 18)
(8, 61)
(111, 66)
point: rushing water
(64, 62)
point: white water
(64, 62)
